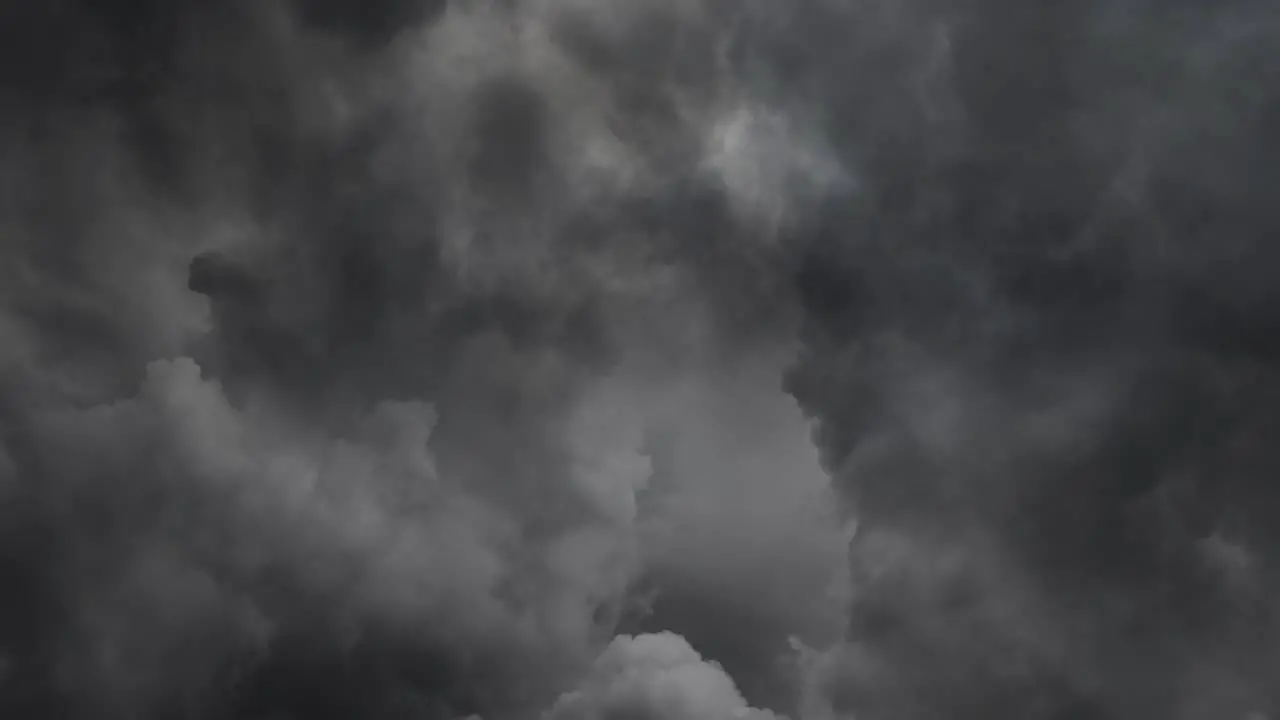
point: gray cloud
(656, 676)
(1010, 356)
(322, 330)
(389, 361)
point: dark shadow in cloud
(1033, 365)
(368, 25)
(375, 678)
(509, 126)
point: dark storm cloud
(336, 338)
(326, 337)
(1038, 351)
(657, 675)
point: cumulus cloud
(737, 527)
(324, 330)
(388, 359)
(654, 676)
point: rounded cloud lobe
(654, 676)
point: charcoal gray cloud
(329, 334)
(1039, 353)
(664, 359)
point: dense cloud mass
(663, 359)
(656, 676)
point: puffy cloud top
(654, 677)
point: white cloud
(654, 677)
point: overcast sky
(640, 360)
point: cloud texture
(590, 359)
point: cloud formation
(1034, 367)
(586, 358)
(327, 340)
(654, 676)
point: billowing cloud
(1036, 373)
(654, 676)
(434, 359)
(327, 337)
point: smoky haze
(663, 359)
